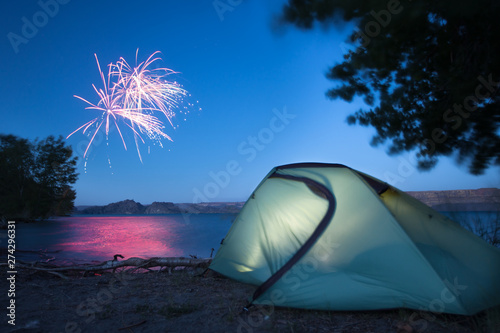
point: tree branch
(170, 262)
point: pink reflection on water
(129, 236)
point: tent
(325, 236)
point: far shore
(478, 200)
(484, 199)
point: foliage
(36, 177)
(428, 71)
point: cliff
(211, 208)
(483, 199)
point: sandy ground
(184, 302)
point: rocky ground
(184, 302)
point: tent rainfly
(325, 236)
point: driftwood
(132, 326)
(137, 263)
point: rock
(125, 207)
(162, 208)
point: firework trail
(134, 96)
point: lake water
(84, 238)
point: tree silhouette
(428, 71)
(36, 177)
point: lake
(83, 238)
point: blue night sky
(262, 95)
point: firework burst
(134, 95)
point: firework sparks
(134, 96)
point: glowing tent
(325, 236)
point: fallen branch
(170, 262)
(131, 326)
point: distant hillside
(116, 208)
(130, 207)
(484, 199)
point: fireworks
(134, 95)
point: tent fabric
(325, 236)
